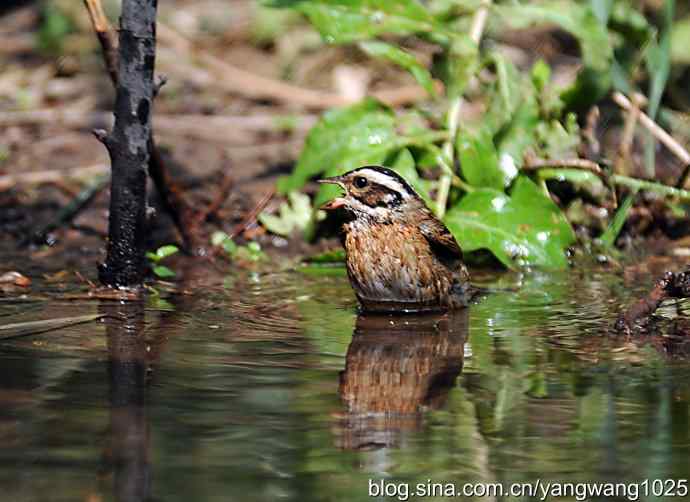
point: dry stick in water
(129, 145)
(175, 204)
(671, 285)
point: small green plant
(55, 26)
(155, 259)
(296, 214)
(250, 252)
(472, 174)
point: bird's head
(373, 192)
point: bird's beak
(338, 201)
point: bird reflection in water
(397, 367)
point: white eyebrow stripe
(386, 181)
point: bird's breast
(393, 263)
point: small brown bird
(400, 257)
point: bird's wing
(440, 239)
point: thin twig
(623, 160)
(651, 186)
(217, 202)
(589, 133)
(533, 164)
(657, 131)
(106, 36)
(479, 21)
(617, 179)
(14, 330)
(67, 214)
(253, 214)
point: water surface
(271, 387)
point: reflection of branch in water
(396, 368)
(127, 454)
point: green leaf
(342, 140)
(608, 238)
(602, 9)
(680, 41)
(294, 215)
(403, 59)
(578, 177)
(658, 61)
(597, 52)
(152, 257)
(165, 251)
(510, 92)
(513, 113)
(405, 166)
(230, 247)
(518, 135)
(541, 75)
(456, 66)
(54, 28)
(218, 237)
(342, 21)
(224, 240)
(479, 161)
(333, 256)
(163, 272)
(252, 252)
(450, 8)
(525, 228)
(557, 141)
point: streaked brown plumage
(399, 255)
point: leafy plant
(155, 259)
(473, 173)
(249, 252)
(294, 215)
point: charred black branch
(129, 145)
(172, 196)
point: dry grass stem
(657, 131)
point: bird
(400, 257)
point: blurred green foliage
(55, 26)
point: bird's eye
(360, 182)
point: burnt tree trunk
(129, 145)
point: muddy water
(270, 387)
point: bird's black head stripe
(389, 172)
